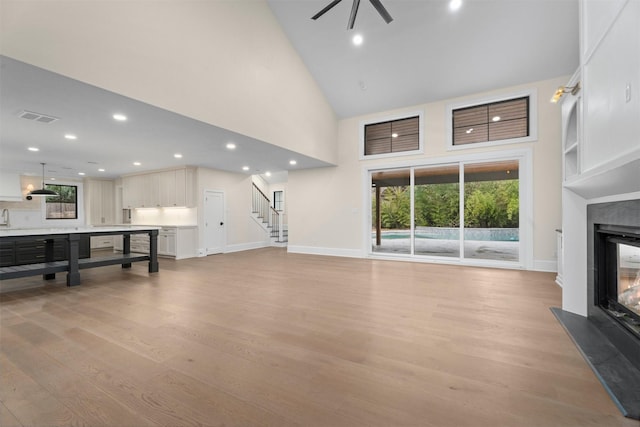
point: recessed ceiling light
(177, 156)
(293, 162)
(357, 39)
(33, 149)
(120, 117)
(245, 168)
(455, 5)
(496, 118)
(136, 163)
(394, 135)
(268, 173)
(100, 170)
(469, 130)
(231, 146)
(70, 136)
(52, 179)
(81, 173)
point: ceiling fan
(354, 11)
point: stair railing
(260, 204)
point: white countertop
(15, 232)
(169, 226)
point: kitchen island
(11, 238)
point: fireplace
(610, 338)
(617, 273)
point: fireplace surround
(617, 273)
(609, 337)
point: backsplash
(164, 216)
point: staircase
(272, 221)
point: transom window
(397, 136)
(497, 121)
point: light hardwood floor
(265, 337)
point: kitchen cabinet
(22, 252)
(167, 241)
(159, 189)
(101, 242)
(132, 188)
(175, 242)
(99, 202)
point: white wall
(31, 213)
(226, 63)
(164, 216)
(326, 205)
(241, 230)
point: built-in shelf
(572, 148)
(571, 105)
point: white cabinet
(186, 242)
(605, 161)
(159, 189)
(167, 241)
(99, 202)
(99, 242)
(132, 189)
(174, 242)
(139, 243)
(612, 102)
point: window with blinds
(495, 121)
(393, 136)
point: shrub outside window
(65, 204)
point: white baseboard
(313, 250)
(245, 246)
(550, 266)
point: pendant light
(43, 192)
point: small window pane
(392, 137)
(495, 121)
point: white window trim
(533, 119)
(524, 155)
(420, 150)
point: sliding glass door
(391, 210)
(491, 211)
(461, 210)
(437, 211)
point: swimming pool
(480, 234)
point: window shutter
(380, 139)
(477, 124)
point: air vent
(37, 117)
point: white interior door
(214, 230)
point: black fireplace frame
(606, 238)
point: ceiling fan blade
(354, 12)
(326, 9)
(381, 10)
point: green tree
(437, 205)
(395, 206)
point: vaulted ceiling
(429, 52)
(426, 53)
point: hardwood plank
(7, 419)
(265, 337)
